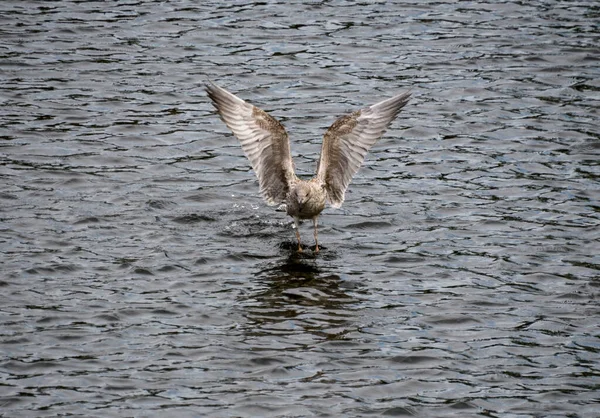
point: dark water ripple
(143, 275)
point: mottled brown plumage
(266, 144)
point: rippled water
(144, 276)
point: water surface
(142, 275)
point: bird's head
(302, 194)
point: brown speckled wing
(264, 141)
(347, 142)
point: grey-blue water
(142, 274)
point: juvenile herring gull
(266, 144)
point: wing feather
(264, 141)
(347, 141)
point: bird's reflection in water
(297, 295)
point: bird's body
(305, 199)
(265, 142)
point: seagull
(265, 142)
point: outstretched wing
(347, 142)
(264, 141)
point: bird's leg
(316, 235)
(297, 223)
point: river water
(142, 274)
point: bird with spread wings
(266, 144)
